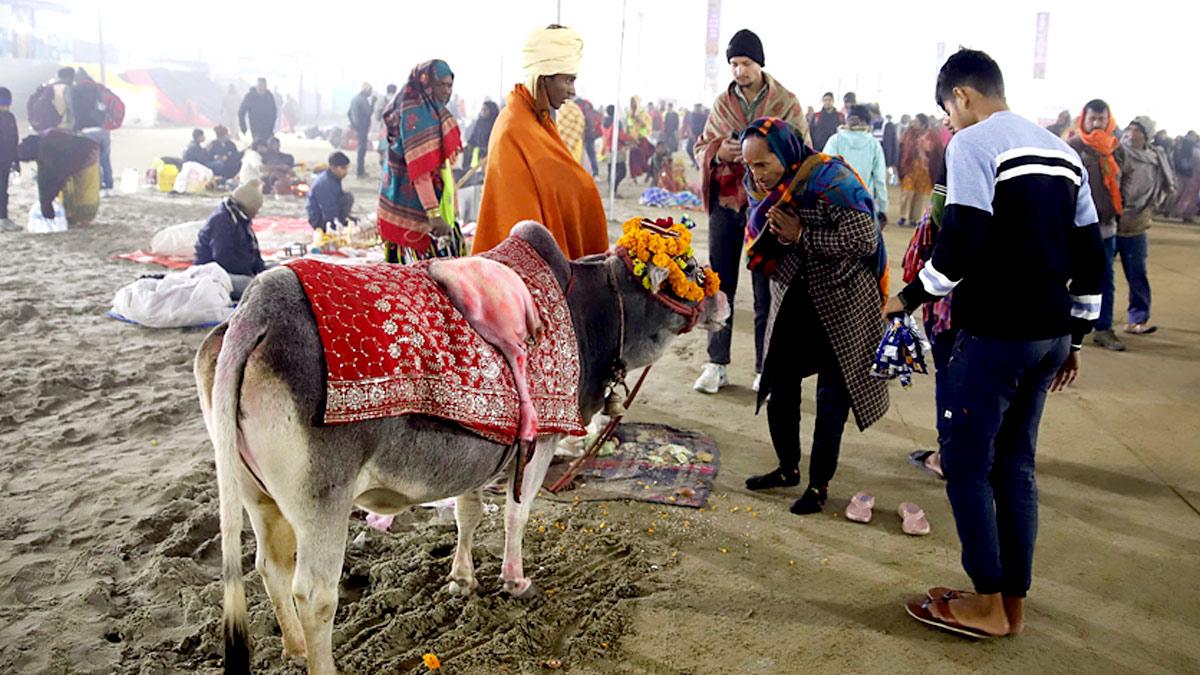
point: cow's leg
(275, 561)
(516, 515)
(468, 511)
(320, 550)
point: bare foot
(934, 463)
(982, 612)
(1014, 609)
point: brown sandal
(944, 593)
(921, 610)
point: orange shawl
(531, 175)
(1105, 144)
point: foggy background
(1140, 57)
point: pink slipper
(915, 522)
(859, 508)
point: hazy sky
(1142, 63)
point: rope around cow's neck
(616, 374)
(611, 402)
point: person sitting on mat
(228, 240)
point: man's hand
(1067, 373)
(893, 306)
(730, 151)
(440, 227)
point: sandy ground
(108, 522)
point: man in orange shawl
(1100, 149)
(531, 174)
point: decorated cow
(381, 387)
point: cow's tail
(240, 341)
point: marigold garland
(671, 254)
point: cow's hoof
(462, 586)
(521, 589)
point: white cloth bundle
(197, 296)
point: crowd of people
(72, 117)
(800, 198)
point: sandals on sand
(921, 610)
(859, 508)
(915, 523)
(1139, 328)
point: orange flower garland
(671, 254)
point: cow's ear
(536, 235)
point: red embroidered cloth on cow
(395, 345)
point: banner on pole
(712, 48)
(1039, 46)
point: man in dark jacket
(825, 122)
(228, 240)
(87, 102)
(891, 143)
(696, 121)
(225, 157)
(328, 202)
(670, 133)
(259, 107)
(362, 108)
(195, 151)
(9, 139)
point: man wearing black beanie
(752, 94)
(746, 43)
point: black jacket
(891, 145)
(9, 138)
(222, 151)
(87, 103)
(260, 109)
(227, 240)
(361, 111)
(196, 153)
(824, 126)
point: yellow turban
(551, 51)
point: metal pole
(100, 31)
(616, 123)
(641, 82)
(558, 20)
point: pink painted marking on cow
(497, 304)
